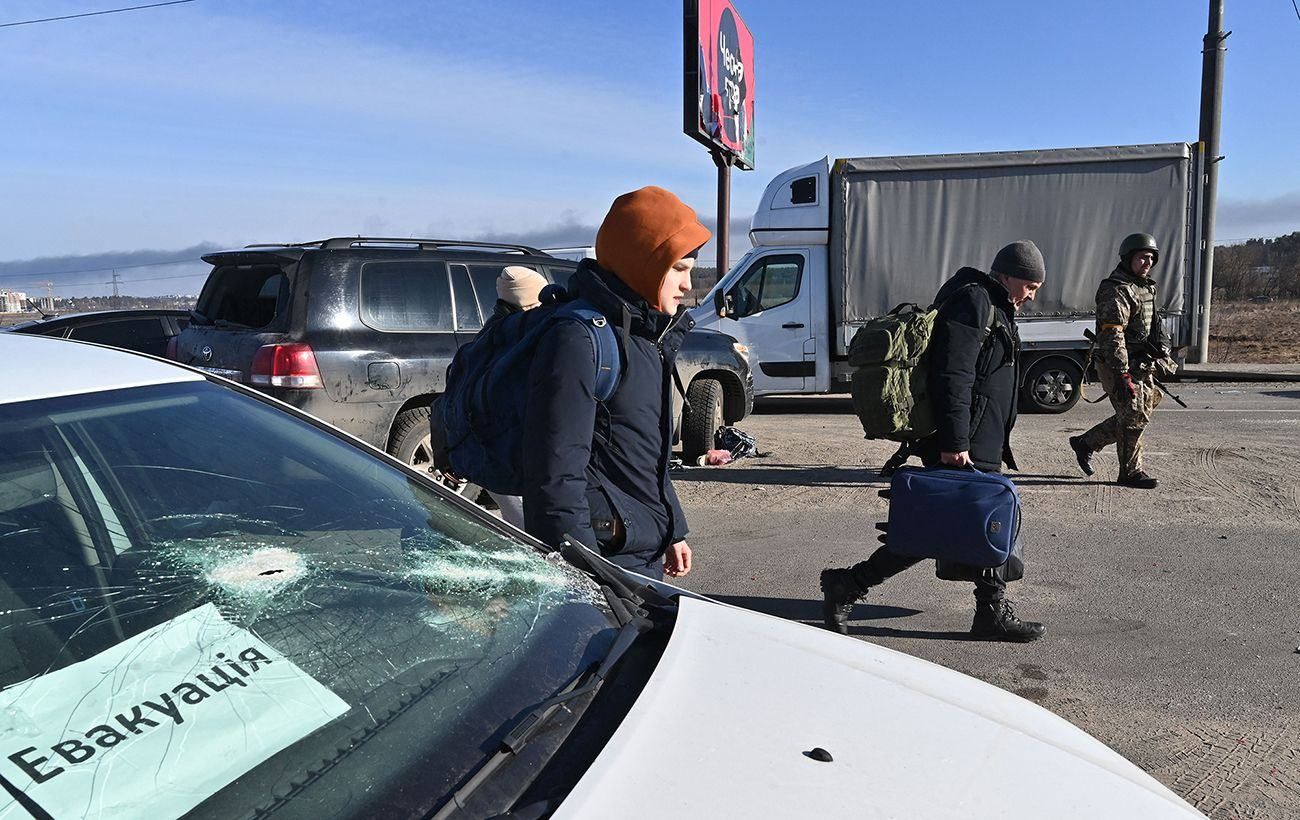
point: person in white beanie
(518, 288)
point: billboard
(719, 79)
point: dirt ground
(1247, 333)
(1173, 634)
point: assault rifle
(1148, 349)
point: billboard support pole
(723, 233)
(1211, 109)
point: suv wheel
(410, 439)
(412, 442)
(703, 419)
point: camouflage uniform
(1126, 320)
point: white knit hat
(519, 286)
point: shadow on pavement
(777, 405)
(925, 634)
(1282, 394)
(810, 610)
(794, 475)
(1030, 480)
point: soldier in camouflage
(1131, 351)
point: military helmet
(1138, 242)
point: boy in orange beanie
(599, 470)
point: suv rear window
(406, 295)
(247, 295)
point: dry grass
(1244, 332)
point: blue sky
(137, 137)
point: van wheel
(703, 419)
(1052, 385)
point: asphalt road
(1172, 627)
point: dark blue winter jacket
(587, 464)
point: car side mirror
(720, 301)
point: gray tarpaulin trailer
(857, 237)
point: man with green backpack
(945, 382)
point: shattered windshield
(211, 608)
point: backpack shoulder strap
(989, 322)
(605, 344)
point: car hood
(725, 722)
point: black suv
(359, 332)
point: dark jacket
(587, 464)
(973, 373)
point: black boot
(1139, 480)
(997, 621)
(1082, 454)
(839, 593)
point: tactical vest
(1141, 295)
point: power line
(121, 280)
(99, 270)
(1297, 9)
(94, 13)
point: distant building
(13, 301)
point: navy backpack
(482, 409)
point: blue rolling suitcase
(953, 515)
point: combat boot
(1139, 480)
(1082, 454)
(997, 621)
(839, 593)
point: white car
(212, 605)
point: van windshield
(211, 608)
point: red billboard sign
(719, 79)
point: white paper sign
(156, 724)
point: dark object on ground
(141, 330)
(736, 441)
(997, 621)
(359, 331)
(1082, 454)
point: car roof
(94, 316)
(40, 367)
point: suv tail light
(287, 365)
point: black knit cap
(1022, 260)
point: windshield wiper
(527, 726)
(618, 591)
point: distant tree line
(1258, 268)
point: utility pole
(723, 235)
(117, 301)
(1211, 109)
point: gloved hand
(1167, 366)
(1127, 386)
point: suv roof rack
(341, 242)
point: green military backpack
(890, 390)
